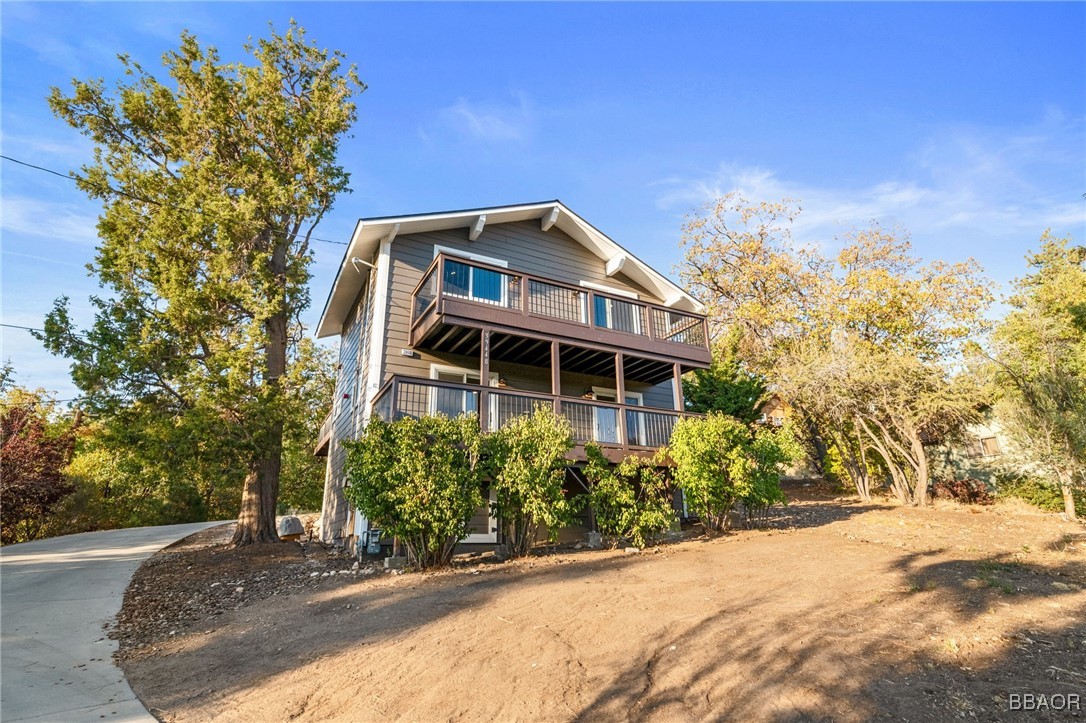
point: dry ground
(839, 611)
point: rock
(354, 566)
(314, 574)
(632, 550)
(290, 528)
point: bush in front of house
(719, 462)
(527, 466)
(632, 500)
(772, 449)
(965, 491)
(418, 480)
(1037, 492)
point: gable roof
(369, 232)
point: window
(605, 419)
(454, 402)
(983, 447)
(472, 282)
(618, 315)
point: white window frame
(449, 251)
(610, 290)
(596, 391)
(436, 369)
(503, 301)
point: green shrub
(1038, 493)
(419, 480)
(527, 464)
(631, 501)
(772, 449)
(719, 462)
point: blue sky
(963, 123)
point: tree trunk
(920, 463)
(256, 522)
(1068, 497)
(1068, 502)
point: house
(493, 311)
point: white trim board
(468, 255)
(609, 289)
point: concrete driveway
(57, 597)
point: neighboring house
(493, 311)
(984, 452)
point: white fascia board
(345, 288)
(378, 320)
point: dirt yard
(837, 611)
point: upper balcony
(456, 293)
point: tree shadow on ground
(919, 636)
(826, 664)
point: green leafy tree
(211, 184)
(527, 458)
(630, 500)
(1040, 366)
(719, 463)
(771, 450)
(418, 480)
(727, 385)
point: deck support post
(556, 375)
(677, 388)
(620, 397)
(484, 379)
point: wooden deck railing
(533, 297)
(622, 426)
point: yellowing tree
(863, 345)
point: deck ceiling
(514, 349)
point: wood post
(484, 379)
(677, 385)
(620, 397)
(556, 371)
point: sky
(963, 123)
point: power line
(141, 199)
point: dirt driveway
(841, 611)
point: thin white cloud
(963, 183)
(490, 121)
(51, 220)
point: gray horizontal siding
(523, 245)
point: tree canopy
(211, 184)
(864, 344)
(1039, 354)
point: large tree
(1040, 365)
(862, 344)
(211, 184)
